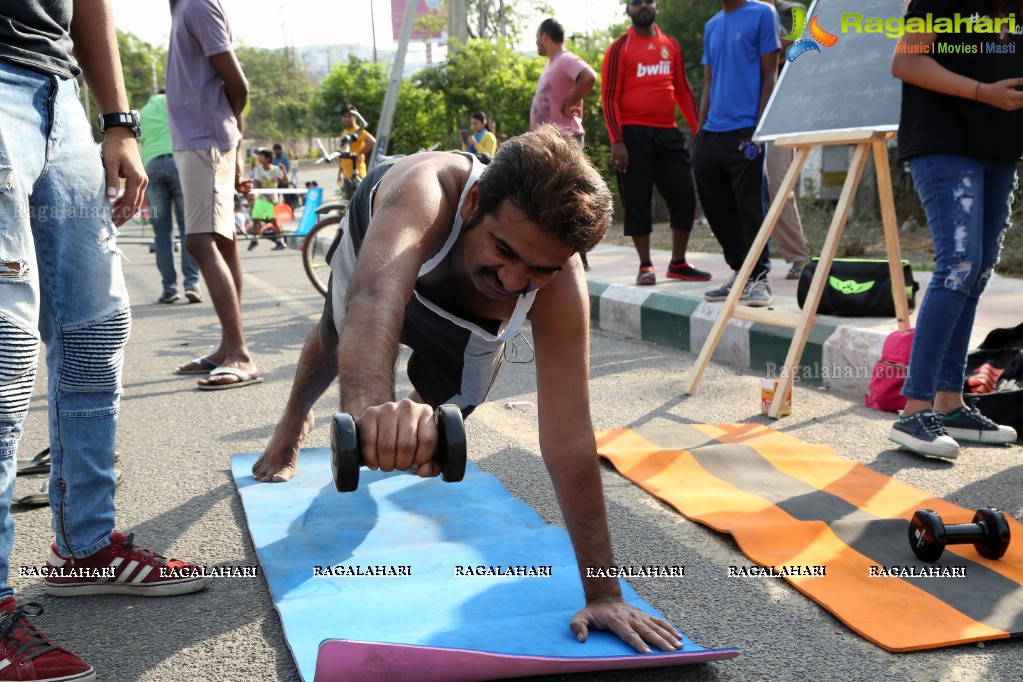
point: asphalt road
(178, 498)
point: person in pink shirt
(565, 81)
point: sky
(276, 23)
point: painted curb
(837, 356)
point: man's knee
(94, 353)
(20, 352)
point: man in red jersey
(644, 77)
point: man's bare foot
(201, 365)
(280, 457)
(231, 373)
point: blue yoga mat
(313, 543)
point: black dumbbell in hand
(346, 457)
(989, 534)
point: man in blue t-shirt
(740, 60)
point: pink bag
(890, 373)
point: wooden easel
(865, 140)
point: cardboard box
(767, 389)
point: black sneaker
(253, 243)
(967, 423)
(924, 434)
(168, 297)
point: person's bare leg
(679, 244)
(220, 265)
(317, 370)
(642, 244)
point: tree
(279, 92)
(493, 19)
(144, 68)
(418, 118)
(486, 76)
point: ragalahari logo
(800, 45)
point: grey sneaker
(757, 292)
(923, 433)
(967, 423)
(720, 292)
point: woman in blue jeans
(961, 132)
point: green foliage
(487, 76)
(685, 19)
(358, 82)
(279, 90)
(141, 64)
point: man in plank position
(451, 261)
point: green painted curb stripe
(769, 345)
(597, 290)
(664, 319)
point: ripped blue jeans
(967, 203)
(61, 285)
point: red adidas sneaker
(122, 568)
(28, 654)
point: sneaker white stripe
(54, 559)
(142, 574)
(127, 571)
(113, 568)
(4, 663)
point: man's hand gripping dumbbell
(398, 436)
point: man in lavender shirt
(206, 94)
(565, 81)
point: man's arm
(412, 218)
(768, 78)
(96, 52)
(684, 91)
(236, 88)
(560, 323)
(584, 83)
(612, 80)
(705, 95)
(369, 143)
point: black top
(933, 123)
(35, 34)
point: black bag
(857, 287)
(994, 377)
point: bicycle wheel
(314, 251)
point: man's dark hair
(547, 176)
(265, 153)
(348, 109)
(554, 29)
(278, 147)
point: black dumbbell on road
(346, 457)
(989, 533)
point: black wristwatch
(120, 119)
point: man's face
(642, 12)
(541, 43)
(507, 255)
(348, 120)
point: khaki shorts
(207, 183)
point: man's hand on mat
(398, 437)
(636, 628)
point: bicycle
(324, 232)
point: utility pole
(373, 29)
(391, 99)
